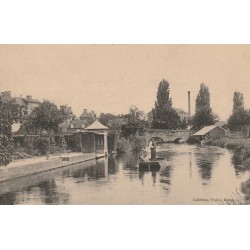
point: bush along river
(194, 175)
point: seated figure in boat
(144, 155)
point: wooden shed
(211, 132)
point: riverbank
(241, 156)
(36, 165)
(240, 147)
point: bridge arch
(166, 135)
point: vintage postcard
(125, 124)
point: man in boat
(152, 147)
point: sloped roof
(31, 100)
(221, 123)
(78, 124)
(207, 129)
(96, 125)
(180, 111)
(86, 114)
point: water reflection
(98, 170)
(113, 165)
(191, 172)
(50, 193)
(205, 159)
(8, 199)
(165, 176)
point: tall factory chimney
(189, 108)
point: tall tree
(164, 116)
(163, 96)
(240, 117)
(204, 115)
(238, 102)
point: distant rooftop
(78, 124)
(30, 99)
(180, 111)
(96, 125)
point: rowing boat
(152, 164)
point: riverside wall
(27, 168)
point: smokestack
(189, 109)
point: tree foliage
(105, 118)
(238, 102)
(45, 118)
(164, 116)
(204, 115)
(9, 113)
(240, 117)
(135, 123)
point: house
(182, 114)
(87, 117)
(5, 96)
(28, 102)
(66, 124)
(211, 132)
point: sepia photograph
(124, 124)
(116, 124)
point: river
(194, 175)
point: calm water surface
(194, 175)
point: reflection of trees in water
(165, 178)
(94, 172)
(169, 155)
(129, 160)
(237, 160)
(112, 165)
(8, 199)
(50, 193)
(205, 159)
(239, 169)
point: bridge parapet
(167, 135)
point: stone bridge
(167, 135)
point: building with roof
(211, 132)
(87, 117)
(96, 126)
(93, 139)
(182, 114)
(28, 102)
(5, 96)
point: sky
(111, 78)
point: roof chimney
(85, 111)
(189, 108)
(29, 97)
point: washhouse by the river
(93, 139)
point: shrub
(123, 145)
(193, 140)
(137, 142)
(134, 143)
(42, 144)
(245, 188)
(112, 141)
